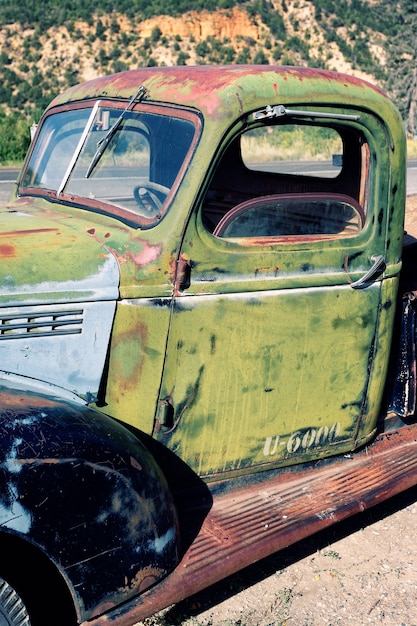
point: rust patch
(265, 270)
(103, 608)
(147, 255)
(134, 463)
(32, 231)
(180, 274)
(42, 461)
(144, 579)
(6, 250)
(147, 576)
(133, 341)
(11, 400)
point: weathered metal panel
(64, 344)
(83, 490)
(137, 354)
(223, 93)
(242, 376)
(46, 256)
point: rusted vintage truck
(207, 333)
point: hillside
(281, 31)
(46, 47)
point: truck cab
(205, 261)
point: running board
(251, 522)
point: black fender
(82, 488)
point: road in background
(411, 176)
(8, 176)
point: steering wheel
(150, 197)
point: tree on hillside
(402, 60)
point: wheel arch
(36, 579)
(83, 490)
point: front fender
(78, 485)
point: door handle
(372, 274)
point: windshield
(138, 168)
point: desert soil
(361, 571)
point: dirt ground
(361, 571)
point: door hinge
(165, 416)
(182, 275)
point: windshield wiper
(141, 93)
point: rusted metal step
(265, 515)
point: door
(278, 341)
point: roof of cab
(228, 91)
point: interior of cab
(299, 195)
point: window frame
(100, 206)
(236, 211)
(355, 139)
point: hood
(59, 288)
(49, 256)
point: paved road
(8, 176)
(411, 176)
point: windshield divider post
(79, 147)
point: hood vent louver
(41, 324)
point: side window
(290, 180)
